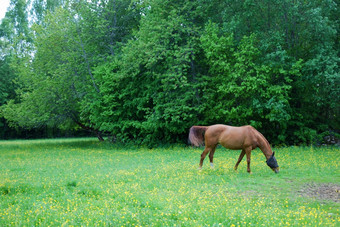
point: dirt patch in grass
(328, 191)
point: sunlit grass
(81, 182)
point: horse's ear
(273, 153)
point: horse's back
(231, 137)
(213, 134)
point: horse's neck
(264, 146)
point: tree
(287, 31)
(243, 89)
(15, 39)
(149, 92)
(56, 78)
(145, 71)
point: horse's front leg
(240, 159)
(248, 153)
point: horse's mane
(196, 135)
(263, 139)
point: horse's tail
(196, 135)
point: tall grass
(82, 182)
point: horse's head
(272, 163)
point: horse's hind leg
(204, 154)
(243, 152)
(211, 156)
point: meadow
(82, 182)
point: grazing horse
(245, 138)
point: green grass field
(82, 182)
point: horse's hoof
(211, 165)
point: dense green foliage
(145, 71)
(84, 182)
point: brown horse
(245, 138)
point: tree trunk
(90, 129)
(99, 136)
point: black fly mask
(271, 162)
